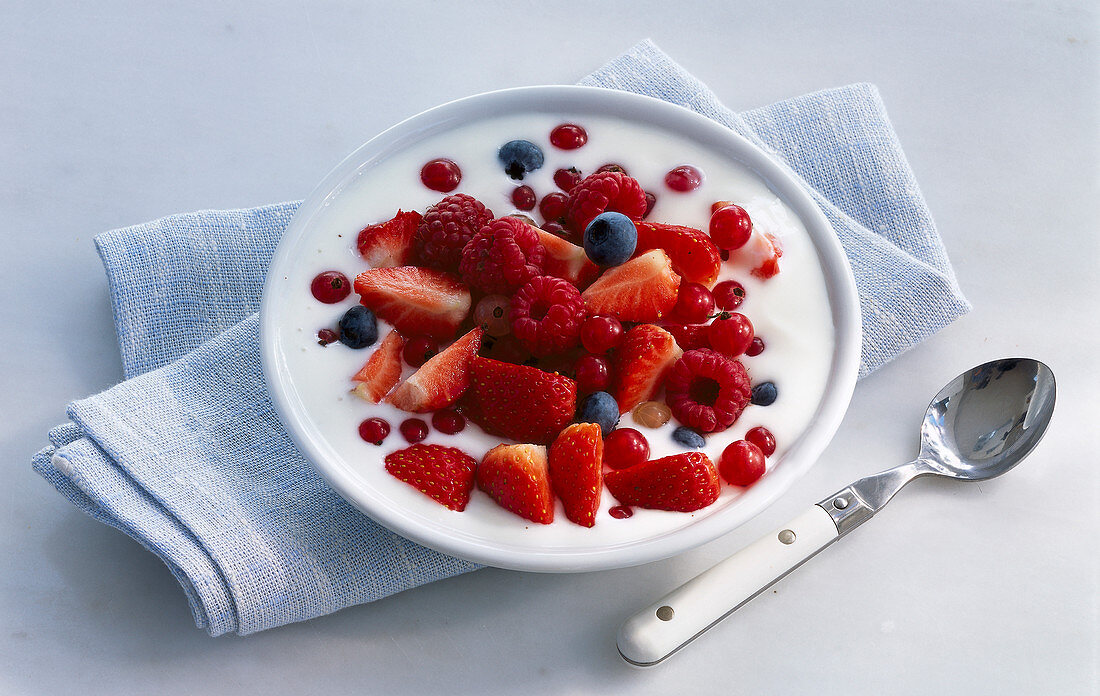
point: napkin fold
(188, 456)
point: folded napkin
(188, 457)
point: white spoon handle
(676, 619)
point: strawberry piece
(643, 289)
(760, 255)
(417, 301)
(680, 483)
(520, 402)
(694, 254)
(390, 243)
(641, 364)
(440, 381)
(382, 371)
(517, 477)
(445, 474)
(689, 336)
(576, 471)
(567, 261)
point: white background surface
(114, 113)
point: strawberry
(445, 474)
(641, 363)
(520, 402)
(417, 301)
(694, 255)
(382, 370)
(643, 289)
(390, 243)
(681, 483)
(567, 261)
(440, 381)
(760, 255)
(517, 477)
(576, 471)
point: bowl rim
(784, 182)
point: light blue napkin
(188, 457)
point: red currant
(684, 178)
(554, 228)
(742, 463)
(448, 421)
(374, 430)
(762, 438)
(413, 430)
(330, 287)
(523, 197)
(730, 227)
(441, 175)
(327, 336)
(419, 350)
(730, 334)
(624, 447)
(566, 179)
(650, 201)
(568, 136)
(694, 303)
(756, 347)
(601, 334)
(553, 206)
(593, 373)
(620, 512)
(728, 295)
(612, 167)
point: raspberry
(706, 390)
(603, 191)
(446, 227)
(547, 314)
(504, 255)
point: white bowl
(419, 520)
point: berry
(446, 228)
(760, 255)
(689, 336)
(382, 371)
(445, 474)
(652, 414)
(440, 381)
(555, 229)
(491, 314)
(593, 373)
(641, 363)
(497, 389)
(682, 483)
(576, 471)
(523, 197)
(762, 438)
(546, 315)
(413, 430)
(684, 178)
(601, 192)
(730, 333)
(566, 260)
(327, 336)
(741, 463)
(756, 347)
(728, 295)
(643, 289)
(568, 136)
(390, 243)
(706, 390)
(554, 207)
(441, 175)
(358, 327)
(520, 157)
(416, 301)
(694, 303)
(624, 447)
(611, 167)
(601, 334)
(448, 421)
(566, 179)
(600, 408)
(330, 287)
(693, 254)
(764, 394)
(503, 256)
(419, 350)
(650, 201)
(517, 477)
(610, 239)
(374, 430)
(730, 227)
(688, 438)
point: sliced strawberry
(390, 243)
(443, 473)
(576, 471)
(567, 261)
(382, 371)
(520, 402)
(643, 289)
(641, 363)
(694, 254)
(681, 483)
(417, 301)
(517, 477)
(760, 255)
(440, 381)
(689, 336)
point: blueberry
(600, 407)
(610, 239)
(688, 437)
(358, 327)
(520, 157)
(764, 394)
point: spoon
(979, 426)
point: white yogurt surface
(790, 311)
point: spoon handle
(679, 617)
